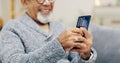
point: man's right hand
(67, 38)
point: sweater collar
(28, 21)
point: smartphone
(83, 21)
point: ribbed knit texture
(22, 41)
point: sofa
(107, 43)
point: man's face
(43, 7)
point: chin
(43, 18)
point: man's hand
(67, 38)
(84, 44)
(77, 40)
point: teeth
(45, 10)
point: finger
(79, 39)
(75, 37)
(68, 45)
(80, 45)
(86, 33)
(69, 32)
(76, 30)
(72, 38)
(76, 50)
(69, 36)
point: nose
(46, 2)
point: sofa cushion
(107, 44)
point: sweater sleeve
(74, 57)
(12, 50)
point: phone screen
(83, 21)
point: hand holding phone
(83, 21)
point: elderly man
(35, 39)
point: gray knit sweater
(22, 41)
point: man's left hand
(83, 44)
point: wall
(4, 10)
(64, 10)
(0, 8)
(107, 13)
(69, 10)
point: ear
(24, 3)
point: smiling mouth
(45, 11)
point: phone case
(83, 21)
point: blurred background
(104, 12)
